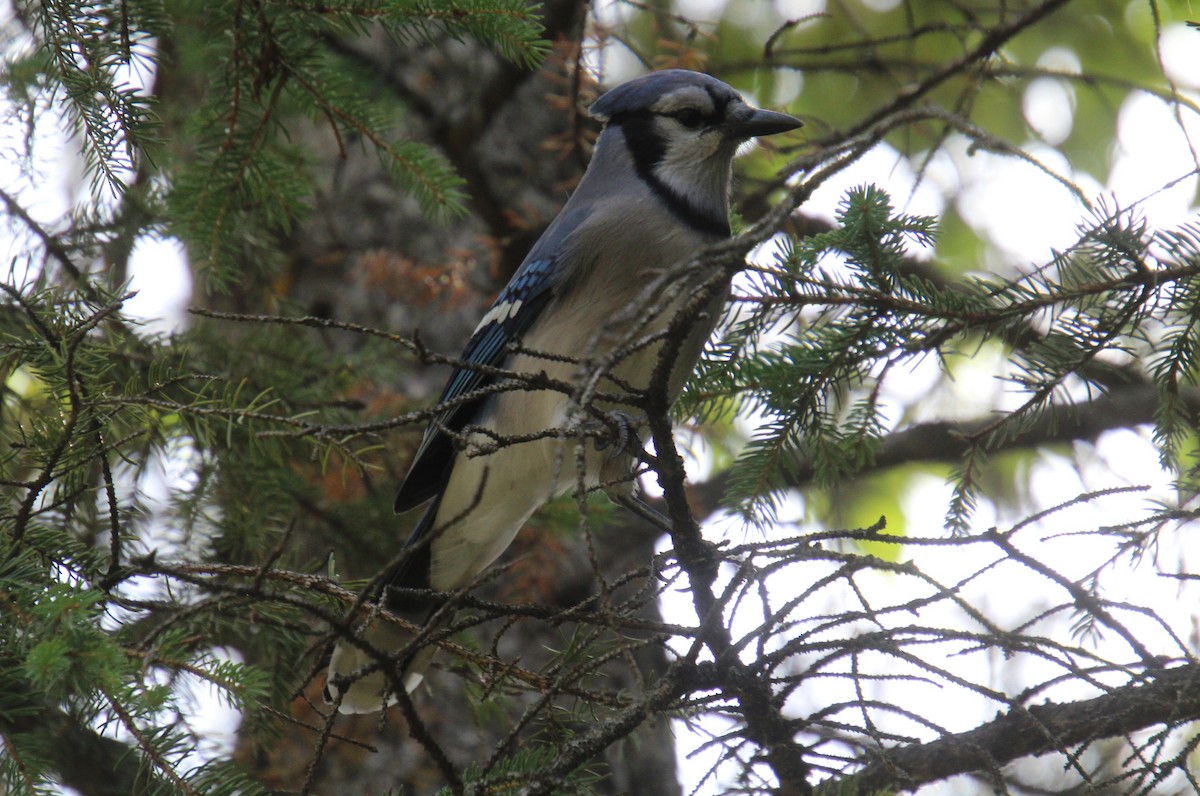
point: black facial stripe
(648, 150)
(686, 115)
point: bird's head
(682, 130)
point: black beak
(751, 122)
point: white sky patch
(212, 718)
(1153, 151)
(1060, 59)
(788, 85)
(205, 712)
(1049, 106)
(46, 187)
(759, 17)
(885, 167)
(159, 272)
(611, 13)
(1130, 457)
(700, 11)
(911, 382)
(940, 173)
(1049, 102)
(1181, 55)
(799, 9)
(1019, 207)
(615, 62)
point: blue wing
(513, 313)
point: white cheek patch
(701, 147)
(694, 169)
(685, 160)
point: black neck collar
(648, 150)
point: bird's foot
(619, 427)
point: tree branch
(946, 441)
(1169, 697)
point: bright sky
(1016, 206)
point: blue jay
(655, 194)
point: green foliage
(72, 651)
(508, 25)
(56, 650)
(112, 600)
(511, 774)
(236, 180)
(1175, 361)
(247, 177)
(816, 377)
(817, 389)
(89, 53)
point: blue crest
(641, 92)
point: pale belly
(488, 498)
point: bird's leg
(624, 427)
(642, 509)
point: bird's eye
(689, 117)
